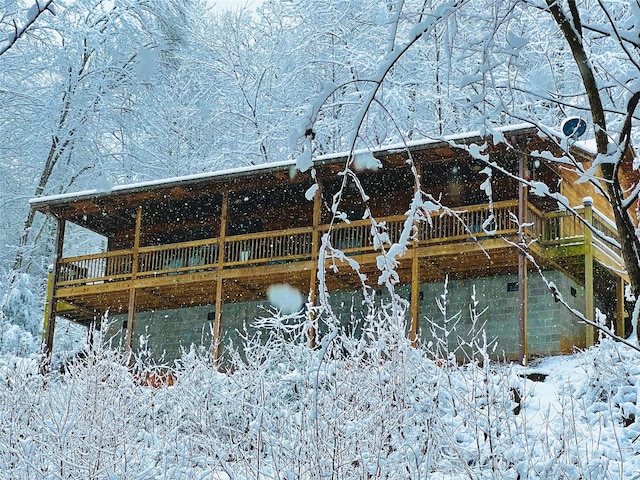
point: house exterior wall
(166, 332)
(551, 328)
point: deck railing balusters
(294, 245)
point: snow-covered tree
(69, 91)
(523, 61)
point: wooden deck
(467, 243)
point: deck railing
(276, 247)
(471, 221)
(96, 268)
(355, 236)
(563, 227)
(268, 247)
(178, 257)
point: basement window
(512, 287)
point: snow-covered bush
(15, 340)
(20, 317)
(370, 406)
(22, 306)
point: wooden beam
(588, 270)
(523, 298)
(131, 309)
(131, 317)
(244, 291)
(50, 316)
(565, 251)
(47, 309)
(63, 308)
(313, 273)
(216, 341)
(166, 303)
(415, 273)
(522, 266)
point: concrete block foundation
(552, 329)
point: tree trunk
(629, 241)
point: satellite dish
(573, 127)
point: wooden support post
(50, 312)
(131, 318)
(588, 269)
(313, 275)
(415, 298)
(523, 298)
(522, 266)
(620, 330)
(216, 341)
(415, 273)
(131, 309)
(47, 308)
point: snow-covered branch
(17, 29)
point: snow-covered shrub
(22, 306)
(370, 406)
(366, 406)
(581, 423)
(20, 317)
(70, 338)
(447, 342)
(15, 340)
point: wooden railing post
(50, 314)
(588, 269)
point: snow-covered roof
(164, 182)
(40, 202)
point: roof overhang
(120, 200)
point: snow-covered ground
(357, 408)
(585, 412)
